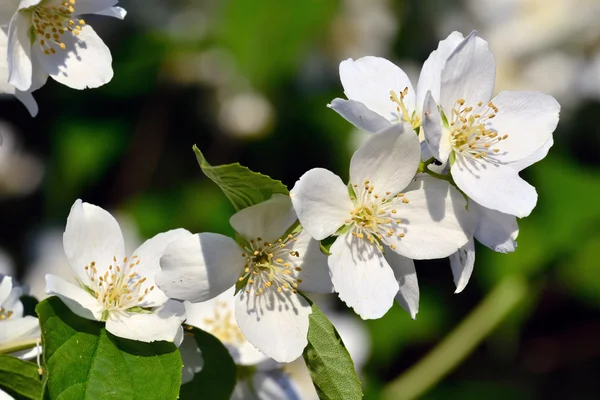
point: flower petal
(528, 119)
(5, 289)
(369, 80)
(434, 220)
(115, 12)
(534, 157)
(315, 272)
(469, 74)
(362, 277)
(199, 267)
(19, 329)
(275, 323)
(359, 115)
(86, 62)
(149, 254)
(92, 234)
(274, 384)
(28, 101)
(406, 275)
(163, 323)
(462, 263)
(93, 6)
(431, 73)
(20, 68)
(495, 230)
(494, 186)
(436, 136)
(322, 202)
(388, 160)
(268, 220)
(191, 356)
(78, 300)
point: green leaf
(20, 377)
(83, 360)
(329, 363)
(243, 188)
(218, 376)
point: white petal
(494, 186)
(273, 384)
(20, 69)
(5, 289)
(24, 4)
(388, 160)
(528, 118)
(435, 220)
(149, 254)
(13, 302)
(19, 329)
(115, 12)
(369, 80)
(495, 230)
(78, 300)
(29, 101)
(362, 277)
(191, 356)
(322, 202)
(162, 324)
(534, 157)
(431, 73)
(93, 6)
(359, 115)
(469, 74)
(92, 234)
(86, 62)
(199, 267)
(315, 272)
(275, 323)
(436, 136)
(406, 275)
(268, 220)
(462, 263)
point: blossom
(487, 142)
(112, 287)
(260, 376)
(14, 327)
(270, 266)
(383, 219)
(48, 37)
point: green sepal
(139, 310)
(351, 192)
(325, 245)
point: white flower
(49, 36)
(262, 378)
(487, 142)
(380, 93)
(416, 218)
(112, 287)
(270, 267)
(14, 327)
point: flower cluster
(41, 38)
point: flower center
(271, 265)
(375, 216)
(411, 118)
(51, 23)
(470, 133)
(223, 325)
(5, 314)
(120, 287)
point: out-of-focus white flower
(20, 172)
(271, 266)
(246, 114)
(7, 266)
(49, 37)
(48, 254)
(262, 378)
(388, 207)
(112, 287)
(14, 327)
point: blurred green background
(249, 81)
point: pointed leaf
(329, 363)
(243, 188)
(83, 360)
